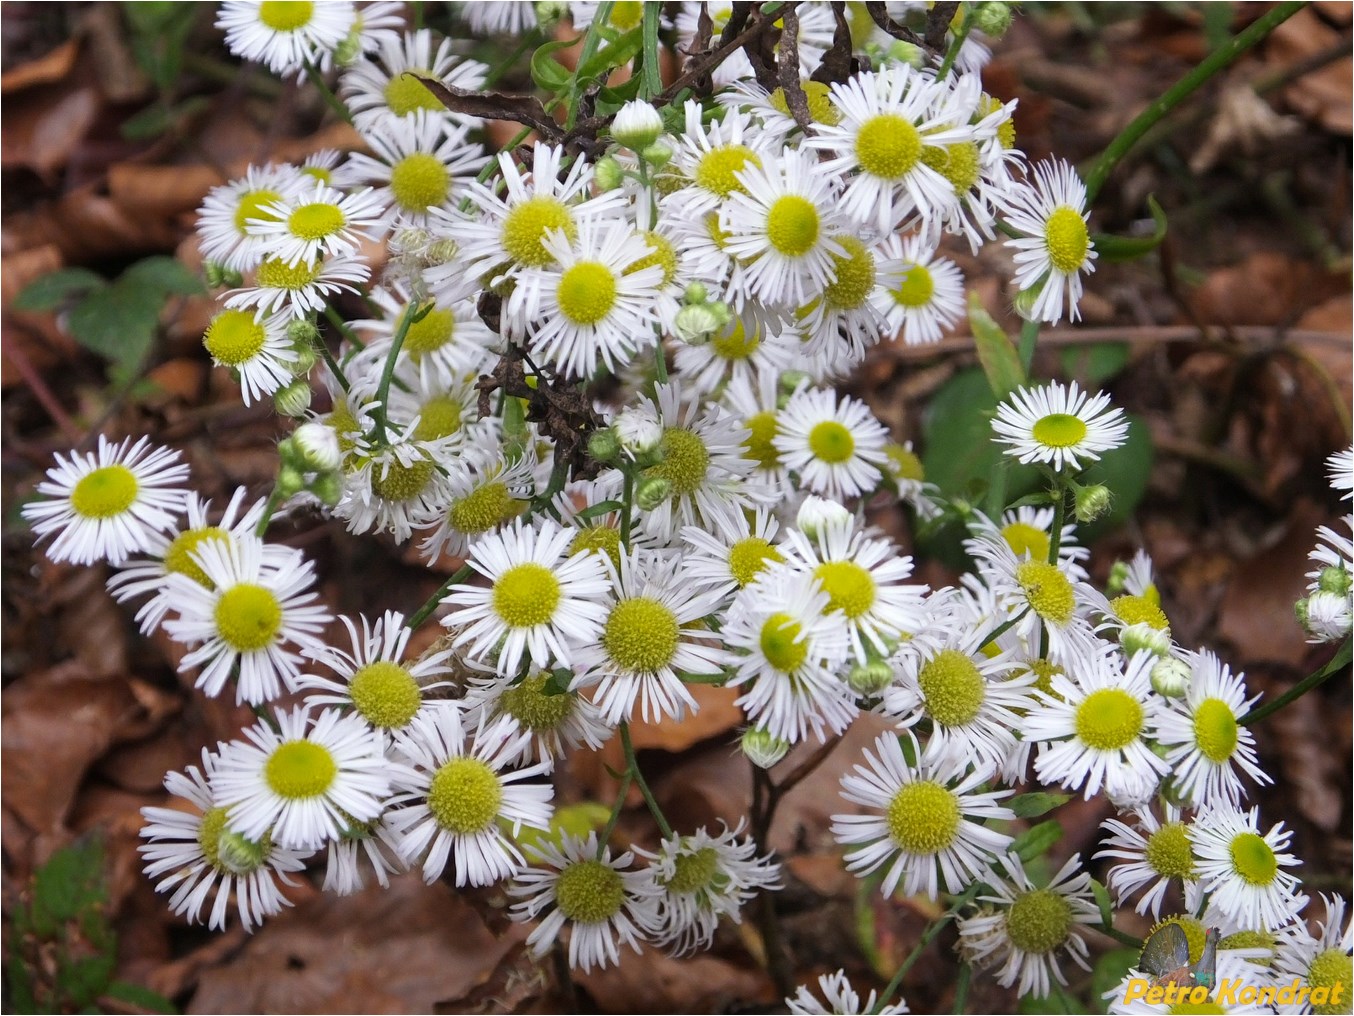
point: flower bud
(870, 679)
(293, 399)
(817, 512)
(652, 491)
(1025, 301)
(607, 173)
(695, 323)
(906, 53)
(328, 487)
(302, 333)
(790, 380)
(695, 292)
(638, 432)
(1115, 583)
(218, 276)
(992, 19)
(1325, 615)
(317, 447)
(290, 481)
(1171, 677)
(637, 125)
(1333, 580)
(349, 49)
(1092, 502)
(306, 358)
(549, 12)
(764, 748)
(604, 446)
(238, 855)
(657, 155)
(441, 252)
(1143, 638)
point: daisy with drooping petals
(836, 447)
(304, 779)
(557, 719)
(584, 889)
(285, 34)
(586, 307)
(449, 339)
(540, 601)
(256, 348)
(653, 634)
(372, 679)
(256, 612)
(1059, 426)
(487, 492)
(1157, 851)
(1094, 728)
(924, 824)
(1031, 926)
(781, 225)
(362, 846)
(108, 504)
(1056, 247)
(1206, 745)
(1340, 466)
(456, 800)
(299, 289)
(1243, 872)
(839, 997)
(198, 851)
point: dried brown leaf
(45, 70)
(1310, 763)
(658, 983)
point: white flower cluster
(703, 526)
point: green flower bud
(607, 173)
(317, 448)
(637, 126)
(290, 480)
(1025, 300)
(817, 512)
(1114, 585)
(218, 276)
(695, 323)
(652, 491)
(1333, 580)
(763, 748)
(293, 399)
(906, 53)
(302, 333)
(603, 445)
(328, 487)
(695, 292)
(871, 678)
(1143, 638)
(657, 155)
(1092, 502)
(992, 19)
(1170, 677)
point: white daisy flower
(300, 289)
(1029, 927)
(730, 561)
(493, 17)
(373, 680)
(319, 221)
(927, 824)
(850, 314)
(1093, 730)
(1205, 743)
(652, 637)
(109, 504)
(285, 34)
(558, 720)
(1334, 557)
(838, 996)
(888, 118)
(1319, 961)
(1058, 426)
(863, 578)
(1026, 530)
(449, 340)
(361, 847)
(755, 402)
(227, 210)
(792, 649)
(1243, 872)
(587, 307)
(169, 554)
(705, 878)
(749, 345)
(1340, 466)
(303, 779)
(256, 348)
(772, 109)
(1240, 985)
(395, 485)
(197, 851)
(710, 156)
(782, 227)
(836, 446)
(923, 296)
(540, 600)
(583, 888)
(384, 88)
(256, 614)
(456, 800)
(421, 162)
(1157, 852)
(1056, 247)
(486, 491)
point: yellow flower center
(717, 170)
(274, 274)
(464, 796)
(737, 343)
(693, 872)
(589, 892)
(685, 461)
(286, 15)
(433, 331)
(782, 644)
(888, 146)
(300, 769)
(821, 109)
(953, 690)
(641, 635)
(759, 445)
(916, 289)
(401, 482)
(528, 703)
(316, 221)
(526, 225)
(1169, 852)
(248, 617)
(792, 225)
(483, 509)
(419, 181)
(1039, 921)
(854, 276)
(526, 595)
(251, 206)
(1109, 719)
(1332, 968)
(1048, 591)
(587, 292)
(958, 163)
(1139, 610)
(105, 492)
(748, 558)
(1253, 859)
(1059, 430)
(831, 442)
(385, 693)
(439, 417)
(1215, 730)
(1026, 540)
(405, 94)
(179, 554)
(923, 818)
(604, 539)
(234, 337)
(664, 255)
(626, 14)
(1067, 240)
(849, 587)
(906, 465)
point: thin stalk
(1029, 336)
(419, 616)
(1122, 937)
(334, 367)
(1212, 64)
(411, 314)
(1337, 662)
(652, 82)
(927, 938)
(961, 988)
(330, 99)
(348, 334)
(952, 53)
(627, 502)
(274, 498)
(590, 43)
(616, 807)
(632, 766)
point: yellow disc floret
(641, 635)
(300, 769)
(526, 595)
(248, 617)
(105, 492)
(923, 818)
(234, 337)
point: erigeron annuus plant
(705, 524)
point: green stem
(334, 367)
(961, 988)
(616, 807)
(627, 502)
(652, 82)
(348, 334)
(632, 767)
(412, 314)
(415, 619)
(1122, 937)
(590, 43)
(1059, 517)
(952, 53)
(1337, 662)
(927, 938)
(331, 100)
(1182, 89)
(1002, 628)
(274, 498)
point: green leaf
(958, 435)
(50, 291)
(1035, 804)
(1094, 364)
(1127, 248)
(1110, 969)
(164, 275)
(1037, 839)
(138, 996)
(600, 508)
(117, 322)
(611, 56)
(83, 980)
(1125, 471)
(70, 883)
(1103, 901)
(995, 351)
(548, 72)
